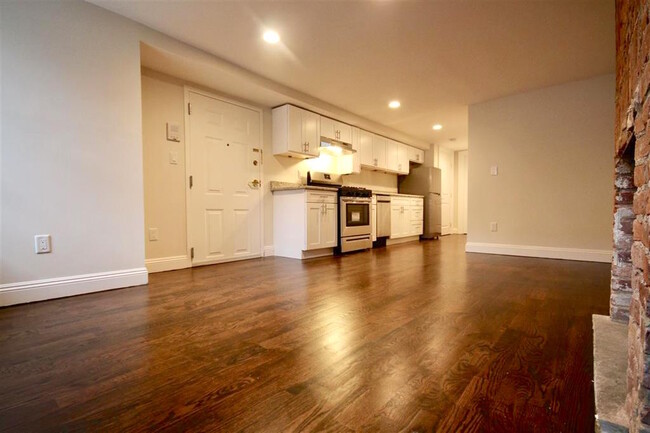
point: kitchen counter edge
(288, 186)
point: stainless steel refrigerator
(425, 181)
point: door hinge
(189, 108)
(192, 253)
(191, 182)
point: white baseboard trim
(584, 255)
(168, 263)
(268, 251)
(51, 288)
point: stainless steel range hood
(335, 147)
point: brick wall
(631, 283)
(624, 220)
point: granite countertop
(397, 194)
(292, 186)
(288, 186)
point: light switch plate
(494, 170)
(174, 131)
(153, 234)
(173, 158)
(493, 226)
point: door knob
(255, 183)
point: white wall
(71, 133)
(1, 135)
(553, 149)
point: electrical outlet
(493, 226)
(153, 234)
(494, 170)
(42, 244)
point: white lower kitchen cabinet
(417, 216)
(304, 223)
(406, 217)
(321, 226)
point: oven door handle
(346, 201)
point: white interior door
(446, 165)
(461, 196)
(224, 209)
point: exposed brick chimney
(630, 273)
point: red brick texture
(630, 267)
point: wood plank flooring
(418, 337)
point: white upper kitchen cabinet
(402, 159)
(335, 130)
(415, 154)
(296, 132)
(391, 155)
(362, 143)
(378, 152)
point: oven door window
(357, 214)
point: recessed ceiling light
(437, 127)
(394, 104)
(271, 37)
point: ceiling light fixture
(437, 127)
(394, 104)
(271, 37)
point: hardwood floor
(418, 337)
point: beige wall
(553, 149)
(164, 183)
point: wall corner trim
(171, 263)
(579, 254)
(51, 288)
(268, 251)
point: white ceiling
(436, 57)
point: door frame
(188, 169)
(462, 196)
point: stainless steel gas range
(354, 219)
